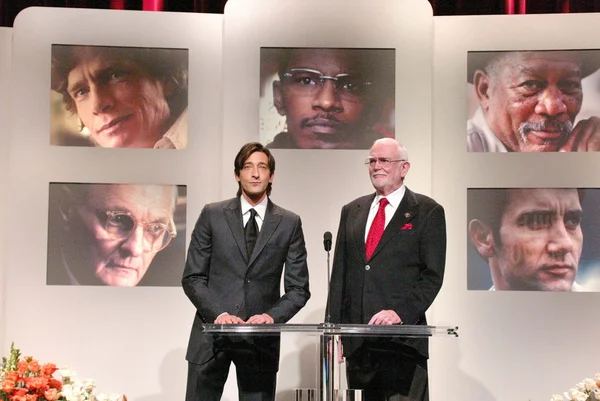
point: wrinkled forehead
(328, 61)
(545, 60)
(154, 199)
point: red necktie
(377, 227)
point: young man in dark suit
(388, 268)
(236, 257)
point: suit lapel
(406, 212)
(270, 223)
(359, 218)
(233, 215)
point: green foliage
(10, 363)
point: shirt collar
(261, 208)
(394, 198)
(480, 137)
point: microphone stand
(327, 340)
(328, 315)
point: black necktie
(251, 232)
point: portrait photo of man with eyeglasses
(116, 234)
(326, 98)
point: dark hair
(244, 154)
(487, 205)
(169, 65)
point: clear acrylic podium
(327, 333)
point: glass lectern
(327, 333)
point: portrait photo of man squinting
(533, 239)
(121, 235)
(530, 101)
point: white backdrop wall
(512, 345)
(316, 183)
(5, 58)
(131, 340)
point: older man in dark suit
(232, 275)
(388, 268)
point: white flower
(101, 397)
(66, 372)
(575, 395)
(589, 384)
(580, 386)
(89, 385)
(67, 390)
(557, 397)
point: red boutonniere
(407, 226)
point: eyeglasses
(307, 82)
(383, 161)
(120, 225)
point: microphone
(327, 241)
(327, 245)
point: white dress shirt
(261, 210)
(394, 200)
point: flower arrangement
(83, 391)
(24, 379)
(586, 390)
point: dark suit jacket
(404, 273)
(218, 276)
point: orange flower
(32, 397)
(18, 398)
(51, 394)
(8, 385)
(12, 375)
(36, 382)
(34, 366)
(20, 392)
(22, 367)
(53, 383)
(49, 369)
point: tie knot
(252, 213)
(383, 202)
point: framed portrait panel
(533, 101)
(119, 97)
(326, 98)
(120, 235)
(533, 239)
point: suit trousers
(388, 375)
(206, 381)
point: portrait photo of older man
(533, 239)
(326, 98)
(119, 97)
(116, 234)
(529, 101)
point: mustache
(319, 118)
(564, 127)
